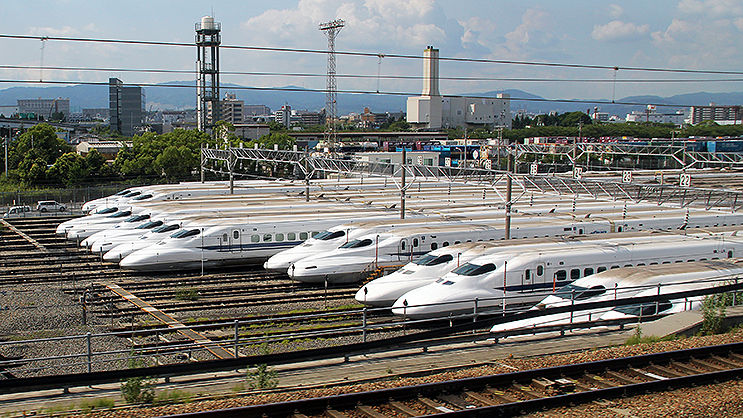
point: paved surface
(360, 368)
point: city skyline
(285, 45)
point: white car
(17, 212)
(44, 206)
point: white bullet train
(233, 241)
(629, 282)
(119, 250)
(522, 277)
(385, 290)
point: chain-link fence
(72, 198)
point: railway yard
(65, 312)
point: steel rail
(433, 390)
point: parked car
(50, 206)
(17, 212)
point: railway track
(513, 394)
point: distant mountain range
(173, 95)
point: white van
(50, 206)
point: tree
(43, 140)
(70, 169)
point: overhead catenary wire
(376, 55)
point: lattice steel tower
(331, 29)
(207, 65)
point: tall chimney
(431, 72)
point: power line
(376, 55)
(374, 77)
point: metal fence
(73, 197)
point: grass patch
(638, 338)
(88, 406)
(187, 293)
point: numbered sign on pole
(420, 160)
(626, 177)
(447, 161)
(534, 169)
(685, 180)
(488, 165)
(578, 173)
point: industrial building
(432, 111)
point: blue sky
(664, 34)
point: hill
(180, 95)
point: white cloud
(616, 11)
(713, 8)
(619, 31)
(64, 31)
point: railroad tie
(24, 236)
(166, 319)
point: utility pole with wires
(331, 30)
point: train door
(533, 278)
(403, 250)
(235, 241)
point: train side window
(600, 269)
(445, 244)
(619, 229)
(702, 259)
(527, 274)
(415, 242)
(291, 236)
(561, 275)
(279, 237)
(255, 238)
(236, 234)
(640, 264)
(588, 271)
(303, 236)
(614, 267)
(267, 237)
(689, 261)
(654, 263)
(679, 261)
(315, 233)
(574, 274)
(628, 265)
(666, 262)
(434, 246)
(540, 270)
(402, 245)
(457, 242)
(730, 254)
(224, 237)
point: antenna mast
(331, 30)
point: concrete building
(256, 110)
(651, 114)
(108, 149)
(126, 107)
(432, 111)
(723, 115)
(284, 116)
(232, 109)
(44, 107)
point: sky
(498, 44)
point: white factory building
(432, 111)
